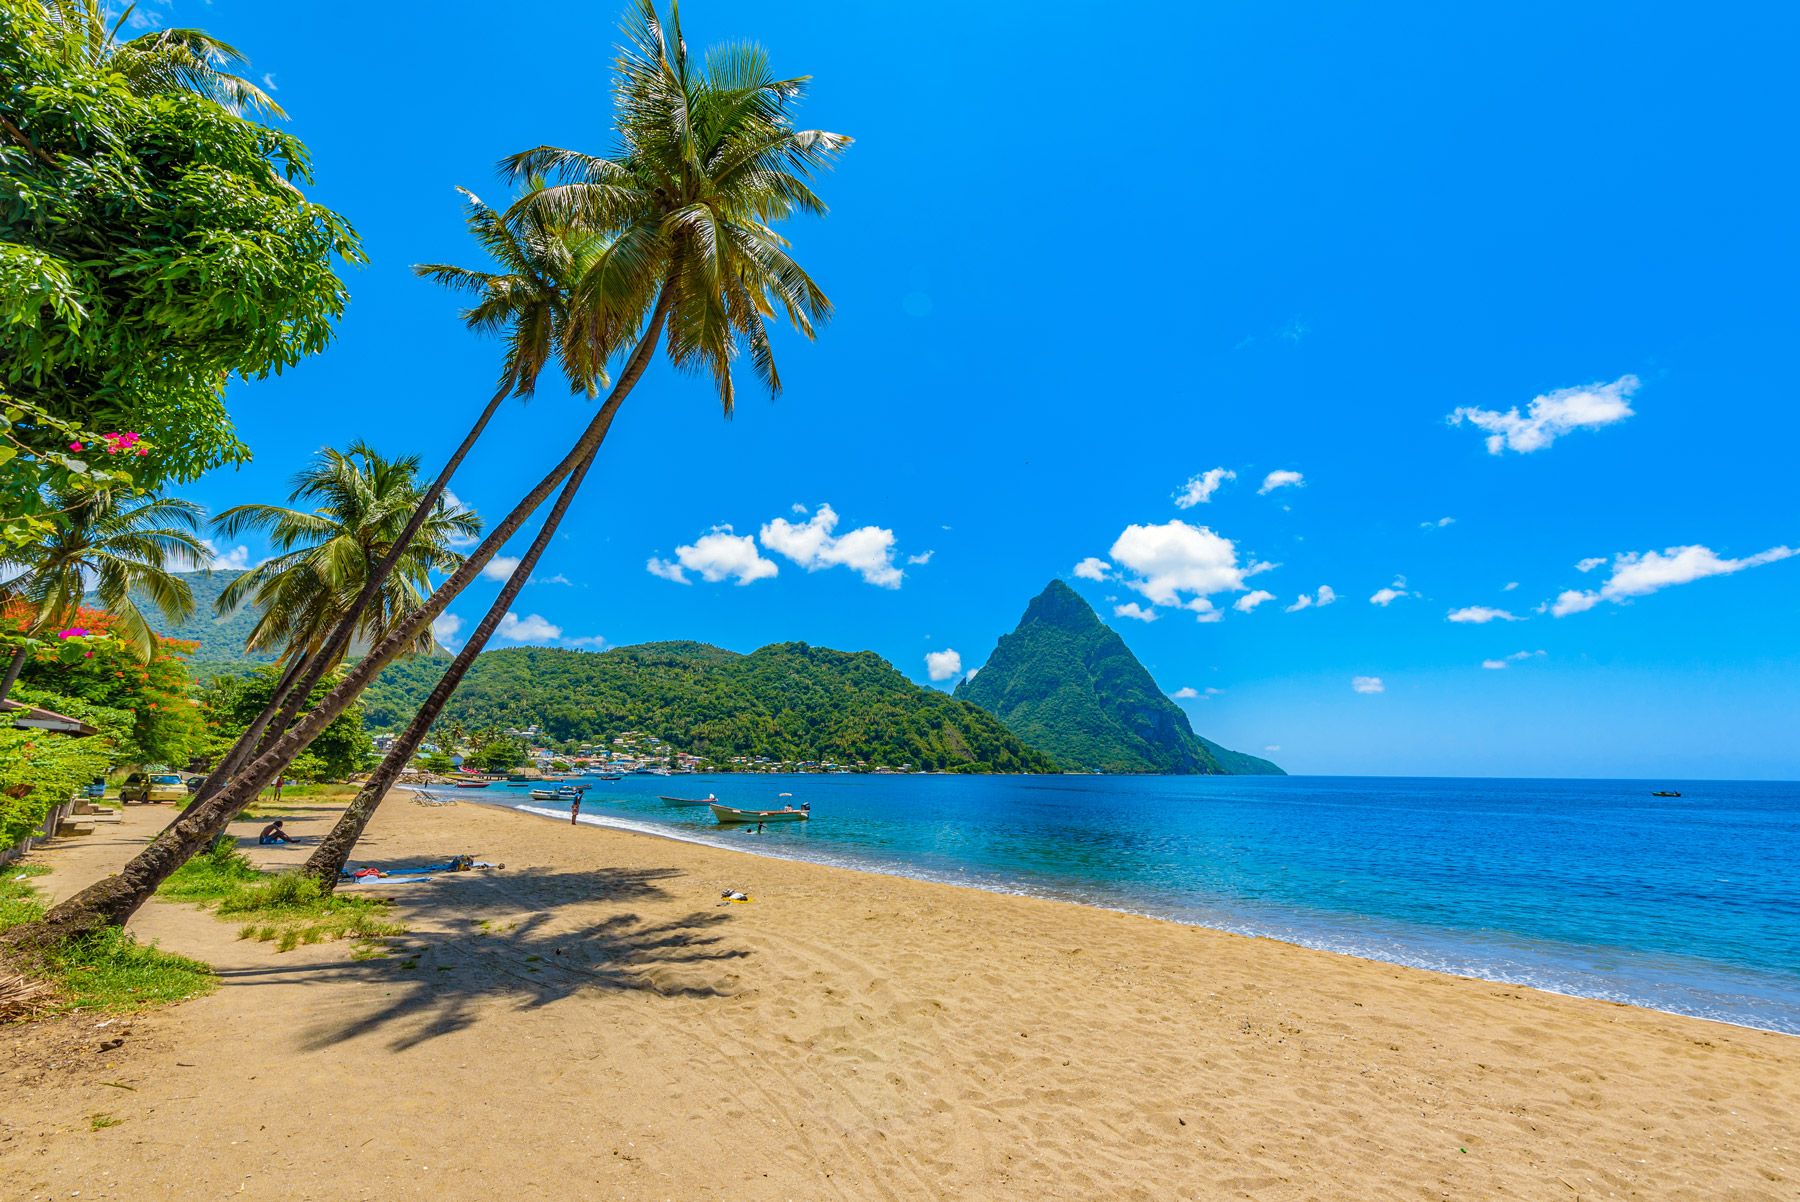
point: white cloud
(1437, 525)
(666, 569)
(1273, 747)
(1495, 665)
(446, 628)
(1093, 568)
(942, 665)
(235, 560)
(1325, 596)
(970, 674)
(921, 559)
(1640, 573)
(268, 80)
(1573, 601)
(1367, 684)
(532, 628)
(717, 555)
(1200, 489)
(1590, 563)
(500, 567)
(1204, 610)
(1175, 558)
(1509, 586)
(1552, 415)
(867, 550)
(1131, 609)
(592, 642)
(559, 578)
(1189, 693)
(1281, 479)
(1392, 593)
(1482, 614)
(1250, 601)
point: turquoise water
(1594, 888)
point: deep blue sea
(1587, 887)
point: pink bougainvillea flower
(73, 632)
(74, 446)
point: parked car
(194, 783)
(148, 787)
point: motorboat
(727, 815)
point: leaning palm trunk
(113, 900)
(328, 859)
(289, 697)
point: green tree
(151, 245)
(697, 237)
(114, 545)
(360, 503)
(161, 61)
(232, 703)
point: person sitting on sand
(273, 833)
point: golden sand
(591, 1022)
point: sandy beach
(591, 1022)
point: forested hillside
(789, 701)
(1068, 684)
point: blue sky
(1082, 255)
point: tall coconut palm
(113, 546)
(525, 302)
(359, 503)
(326, 556)
(706, 159)
(683, 213)
(162, 60)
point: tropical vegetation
(1066, 682)
(790, 702)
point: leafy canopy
(151, 245)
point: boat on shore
(688, 801)
(473, 784)
(733, 817)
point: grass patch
(285, 909)
(108, 970)
(100, 1122)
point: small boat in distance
(1665, 793)
(545, 795)
(728, 816)
(473, 784)
(709, 799)
(612, 777)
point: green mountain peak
(1067, 684)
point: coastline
(859, 1036)
(1497, 959)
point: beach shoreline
(1353, 936)
(854, 1035)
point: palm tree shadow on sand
(503, 938)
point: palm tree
(163, 60)
(112, 546)
(326, 555)
(526, 304)
(678, 222)
(681, 215)
(360, 503)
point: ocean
(1585, 887)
